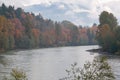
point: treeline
(108, 34)
(23, 30)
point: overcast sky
(93, 7)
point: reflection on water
(50, 63)
(3, 61)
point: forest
(25, 30)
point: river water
(51, 63)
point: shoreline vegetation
(16, 50)
(108, 33)
(20, 30)
(25, 30)
(98, 69)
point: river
(51, 63)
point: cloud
(113, 7)
(61, 6)
(18, 3)
(78, 11)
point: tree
(106, 39)
(6, 34)
(99, 69)
(105, 34)
(117, 35)
(19, 13)
(29, 24)
(36, 35)
(108, 18)
(74, 35)
(58, 32)
(90, 35)
(3, 9)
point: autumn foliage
(19, 29)
(108, 33)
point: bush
(96, 70)
(16, 74)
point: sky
(92, 8)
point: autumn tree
(106, 39)
(58, 32)
(29, 24)
(105, 34)
(6, 34)
(74, 35)
(90, 35)
(108, 18)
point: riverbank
(2, 51)
(100, 51)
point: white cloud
(69, 13)
(78, 10)
(106, 1)
(13, 2)
(92, 7)
(61, 6)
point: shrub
(99, 69)
(16, 74)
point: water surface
(51, 63)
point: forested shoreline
(24, 30)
